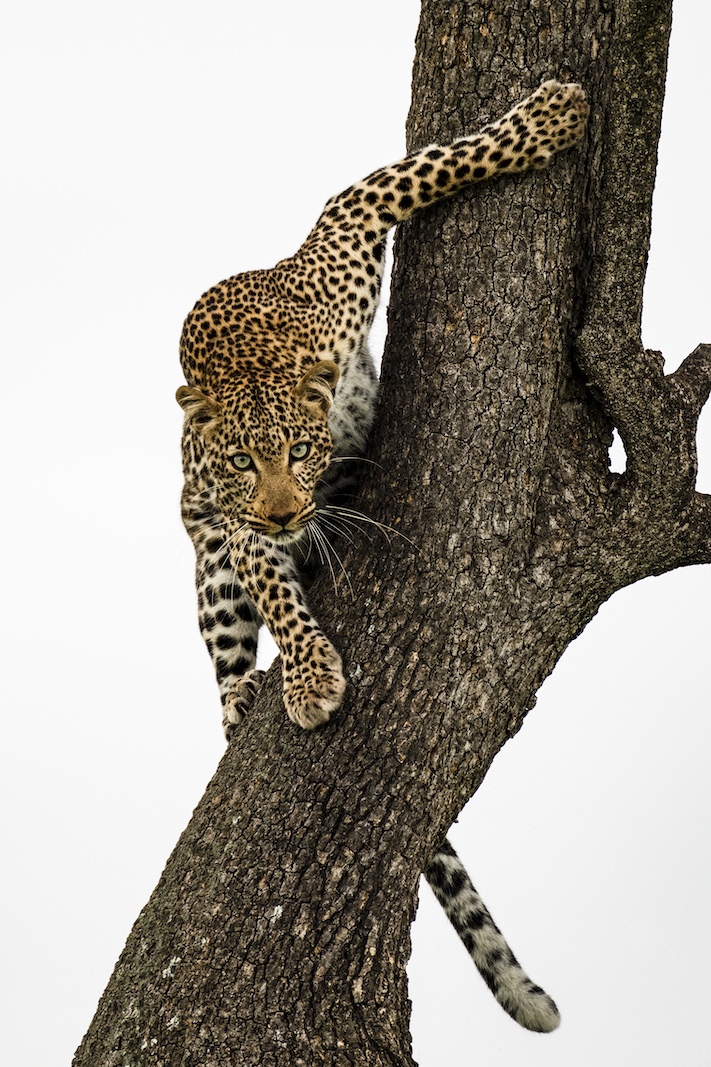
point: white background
(151, 149)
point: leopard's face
(266, 445)
(266, 469)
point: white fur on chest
(351, 416)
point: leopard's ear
(316, 387)
(201, 410)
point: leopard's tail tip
(526, 1003)
(534, 1010)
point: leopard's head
(266, 444)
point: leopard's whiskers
(357, 459)
(330, 552)
(356, 517)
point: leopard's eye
(301, 450)
(241, 461)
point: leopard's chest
(351, 416)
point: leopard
(279, 400)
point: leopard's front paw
(238, 700)
(313, 684)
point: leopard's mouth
(283, 536)
(275, 530)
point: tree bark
(279, 931)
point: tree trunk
(279, 931)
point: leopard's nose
(282, 520)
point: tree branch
(692, 380)
(627, 121)
(656, 415)
(698, 535)
(609, 349)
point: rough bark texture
(279, 932)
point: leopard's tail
(525, 1002)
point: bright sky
(151, 150)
